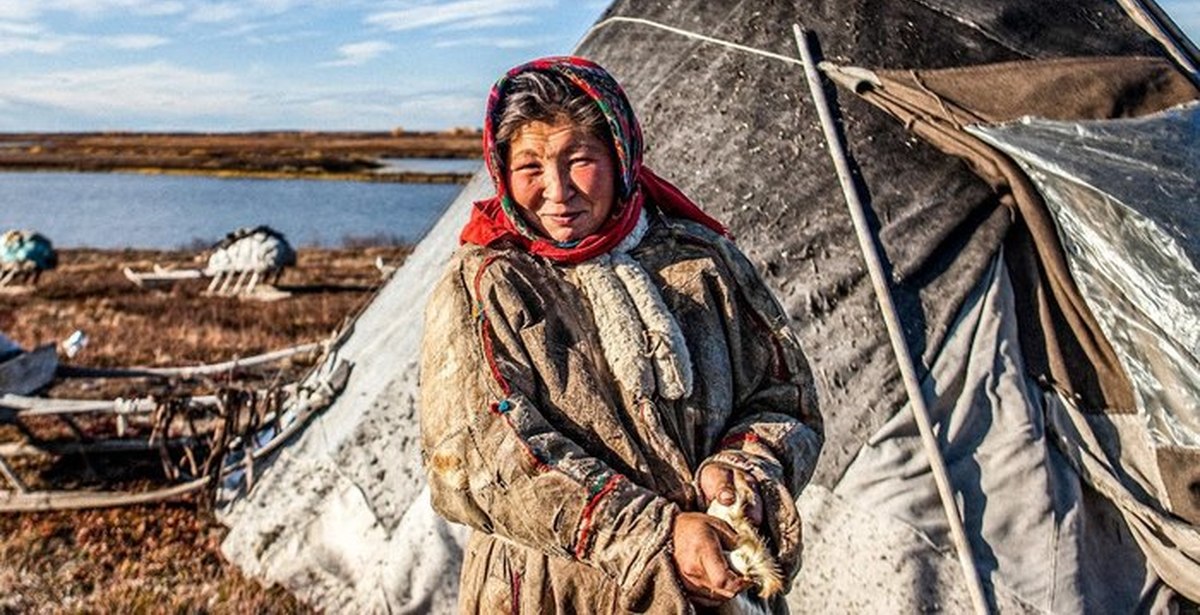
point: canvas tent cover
(1042, 424)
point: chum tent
(1030, 170)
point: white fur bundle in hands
(751, 557)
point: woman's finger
(727, 536)
(716, 482)
(720, 579)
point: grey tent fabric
(1120, 225)
(1042, 541)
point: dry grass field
(162, 557)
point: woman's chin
(565, 237)
(565, 234)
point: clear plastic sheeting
(1126, 197)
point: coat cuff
(781, 520)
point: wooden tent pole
(891, 318)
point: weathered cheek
(525, 192)
(587, 177)
(597, 182)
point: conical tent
(1053, 433)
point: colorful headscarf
(497, 219)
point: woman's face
(562, 178)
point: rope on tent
(689, 34)
(892, 319)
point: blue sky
(279, 64)
(267, 64)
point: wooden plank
(161, 277)
(12, 477)
(40, 406)
(30, 371)
(100, 447)
(70, 371)
(40, 501)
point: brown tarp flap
(1064, 344)
(1180, 469)
(1062, 89)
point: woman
(600, 363)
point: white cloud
(30, 38)
(17, 37)
(355, 54)
(39, 45)
(18, 10)
(166, 96)
(441, 109)
(279, 38)
(157, 89)
(497, 42)
(92, 8)
(17, 28)
(486, 13)
(497, 21)
(216, 13)
(134, 41)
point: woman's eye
(527, 167)
(581, 160)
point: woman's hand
(717, 483)
(697, 540)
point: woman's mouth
(563, 219)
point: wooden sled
(244, 284)
(260, 286)
(236, 442)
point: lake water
(118, 210)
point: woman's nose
(556, 185)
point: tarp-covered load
(259, 249)
(24, 255)
(1057, 373)
(27, 250)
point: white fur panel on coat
(641, 340)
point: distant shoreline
(391, 177)
(346, 156)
